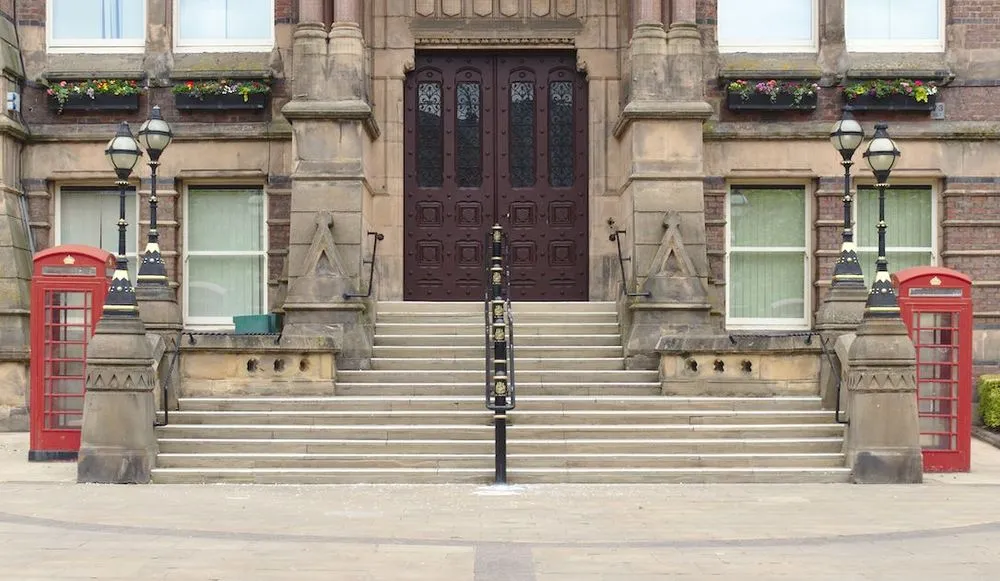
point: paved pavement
(52, 529)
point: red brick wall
(30, 11)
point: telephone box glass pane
(935, 336)
(68, 321)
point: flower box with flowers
(894, 95)
(772, 95)
(94, 95)
(221, 95)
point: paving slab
(53, 529)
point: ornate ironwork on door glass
(430, 150)
(561, 132)
(469, 136)
(522, 134)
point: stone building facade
(579, 112)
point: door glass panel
(522, 134)
(561, 150)
(67, 327)
(934, 336)
(430, 143)
(469, 145)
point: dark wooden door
(495, 137)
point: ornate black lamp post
(881, 155)
(846, 136)
(154, 136)
(123, 152)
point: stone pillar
(661, 131)
(684, 52)
(331, 122)
(158, 307)
(117, 442)
(883, 438)
(15, 284)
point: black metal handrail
(499, 356)
(378, 236)
(808, 335)
(166, 381)
(616, 234)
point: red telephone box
(936, 304)
(67, 298)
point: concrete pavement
(54, 530)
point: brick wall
(30, 12)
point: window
(909, 234)
(97, 25)
(767, 260)
(230, 25)
(225, 255)
(88, 215)
(772, 26)
(894, 25)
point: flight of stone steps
(418, 415)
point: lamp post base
(117, 441)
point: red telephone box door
(936, 305)
(67, 298)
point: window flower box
(894, 95)
(772, 95)
(94, 95)
(221, 95)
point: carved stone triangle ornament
(673, 276)
(323, 278)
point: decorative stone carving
(323, 278)
(673, 276)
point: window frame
(93, 46)
(221, 44)
(140, 246)
(812, 47)
(901, 183)
(220, 323)
(773, 324)
(889, 45)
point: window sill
(794, 66)
(893, 65)
(96, 49)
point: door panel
(495, 137)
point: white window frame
(889, 45)
(903, 183)
(764, 47)
(773, 324)
(133, 226)
(220, 323)
(91, 45)
(221, 44)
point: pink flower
(62, 84)
(919, 83)
(51, 92)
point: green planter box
(256, 324)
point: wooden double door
(495, 138)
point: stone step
(483, 416)
(522, 364)
(485, 445)
(475, 403)
(522, 376)
(514, 461)
(479, 351)
(447, 329)
(485, 430)
(478, 318)
(477, 307)
(485, 475)
(478, 388)
(477, 339)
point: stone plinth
(161, 316)
(883, 438)
(117, 442)
(840, 313)
(739, 366)
(220, 365)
